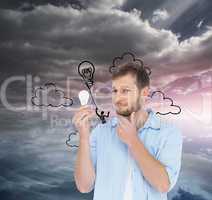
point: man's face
(126, 96)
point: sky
(44, 41)
(48, 40)
(50, 37)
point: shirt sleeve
(93, 146)
(171, 153)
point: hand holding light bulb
(83, 97)
(82, 117)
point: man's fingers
(80, 114)
(123, 119)
(80, 118)
(120, 131)
(84, 107)
(133, 118)
(123, 126)
(84, 120)
(123, 122)
(82, 111)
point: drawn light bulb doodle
(83, 97)
(86, 70)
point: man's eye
(125, 90)
(122, 91)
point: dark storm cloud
(102, 4)
(25, 42)
(189, 53)
(147, 7)
(49, 34)
(177, 11)
(26, 5)
(50, 41)
(201, 11)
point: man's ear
(145, 91)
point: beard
(126, 112)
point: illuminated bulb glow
(83, 97)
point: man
(135, 155)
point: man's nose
(118, 99)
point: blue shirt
(110, 157)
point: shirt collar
(152, 121)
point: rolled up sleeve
(171, 154)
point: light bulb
(83, 97)
(86, 70)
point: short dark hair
(134, 69)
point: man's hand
(126, 129)
(84, 173)
(81, 120)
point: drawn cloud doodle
(71, 138)
(164, 105)
(125, 58)
(50, 96)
